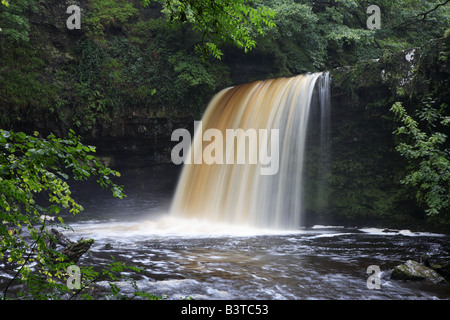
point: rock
(443, 269)
(74, 251)
(412, 270)
(107, 246)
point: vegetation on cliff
(390, 161)
(126, 58)
(423, 131)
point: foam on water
(380, 231)
(171, 226)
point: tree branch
(424, 15)
(25, 262)
(434, 9)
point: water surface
(193, 258)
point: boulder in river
(443, 269)
(412, 270)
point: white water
(169, 226)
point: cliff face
(363, 185)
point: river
(192, 258)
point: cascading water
(238, 193)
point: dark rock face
(139, 141)
(364, 182)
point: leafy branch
(33, 190)
(427, 154)
(220, 22)
(424, 15)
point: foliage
(14, 21)
(24, 69)
(194, 81)
(158, 78)
(296, 44)
(233, 22)
(20, 80)
(33, 192)
(423, 144)
(106, 14)
(127, 60)
(318, 35)
(91, 99)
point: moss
(447, 34)
(356, 79)
(26, 89)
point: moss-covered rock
(443, 269)
(414, 271)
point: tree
(315, 35)
(423, 144)
(234, 22)
(33, 192)
(14, 24)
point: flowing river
(192, 258)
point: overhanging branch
(425, 14)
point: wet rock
(443, 269)
(59, 238)
(412, 270)
(107, 246)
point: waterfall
(239, 192)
